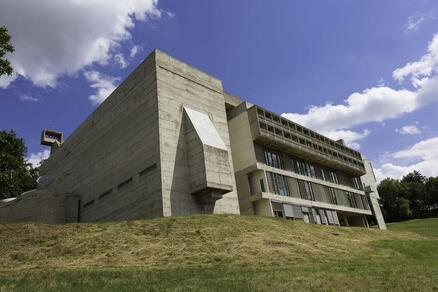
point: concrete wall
(109, 159)
(369, 179)
(41, 206)
(182, 85)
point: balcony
(272, 130)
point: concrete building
(170, 141)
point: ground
(217, 253)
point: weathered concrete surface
(180, 85)
(42, 206)
(112, 160)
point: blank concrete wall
(114, 144)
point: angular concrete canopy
(205, 129)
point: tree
(431, 195)
(389, 191)
(414, 176)
(16, 175)
(5, 47)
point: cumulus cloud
(35, 159)
(377, 104)
(103, 84)
(57, 38)
(349, 137)
(408, 130)
(423, 67)
(422, 156)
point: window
(333, 177)
(148, 169)
(332, 196)
(306, 190)
(278, 213)
(309, 191)
(323, 174)
(105, 194)
(262, 185)
(351, 200)
(357, 183)
(303, 168)
(273, 158)
(278, 184)
(312, 171)
(365, 202)
(88, 204)
(124, 184)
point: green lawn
(428, 227)
(218, 253)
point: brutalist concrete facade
(169, 141)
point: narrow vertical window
(262, 185)
(273, 158)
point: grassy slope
(218, 253)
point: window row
(288, 186)
(283, 161)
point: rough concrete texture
(108, 160)
(180, 85)
(41, 206)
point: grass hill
(218, 252)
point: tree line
(16, 174)
(414, 196)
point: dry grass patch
(180, 241)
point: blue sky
(338, 59)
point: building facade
(170, 141)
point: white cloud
(424, 67)
(5, 80)
(350, 137)
(36, 158)
(377, 104)
(422, 157)
(58, 38)
(103, 84)
(120, 60)
(408, 130)
(413, 23)
(27, 97)
(134, 51)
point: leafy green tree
(16, 175)
(414, 196)
(5, 47)
(403, 208)
(389, 190)
(414, 176)
(431, 193)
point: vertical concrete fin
(369, 180)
